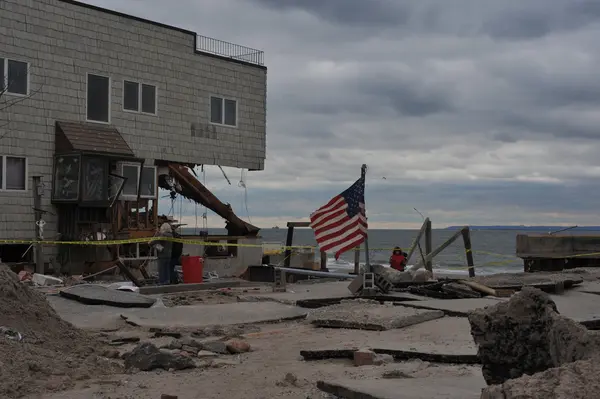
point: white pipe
(306, 272)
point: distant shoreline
(530, 228)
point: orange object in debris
(193, 268)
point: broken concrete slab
(526, 335)
(444, 340)
(454, 307)
(173, 288)
(93, 294)
(97, 317)
(411, 388)
(579, 306)
(397, 353)
(194, 317)
(300, 292)
(370, 315)
(197, 316)
(589, 287)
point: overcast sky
(474, 111)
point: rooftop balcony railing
(230, 50)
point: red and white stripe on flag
(337, 227)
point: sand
(52, 355)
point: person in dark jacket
(164, 249)
(176, 252)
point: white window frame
(3, 185)
(138, 167)
(223, 98)
(5, 77)
(139, 111)
(87, 81)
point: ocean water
(493, 250)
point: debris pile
(529, 351)
(51, 353)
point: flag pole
(363, 173)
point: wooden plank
(298, 224)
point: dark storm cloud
(407, 97)
(475, 111)
(371, 12)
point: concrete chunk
(526, 335)
(370, 315)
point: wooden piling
(357, 260)
(466, 234)
(418, 238)
(288, 243)
(324, 261)
(428, 244)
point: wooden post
(418, 238)
(428, 244)
(324, 261)
(37, 204)
(466, 234)
(288, 244)
(357, 260)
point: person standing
(164, 249)
(176, 252)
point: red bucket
(193, 268)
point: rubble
(577, 380)
(216, 347)
(206, 354)
(235, 346)
(50, 348)
(366, 357)
(147, 357)
(526, 335)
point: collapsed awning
(191, 188)
(91, 138)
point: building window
(98, 98)
(131, 172)
(223, 111)
(139, 97)
(13, 173)
(14, 77)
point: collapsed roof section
(187, 185)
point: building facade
(80, 80)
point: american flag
(341, 224)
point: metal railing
(230, 50)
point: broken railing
(427, 257)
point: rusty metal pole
(363, 173)
(37, 204)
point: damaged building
(101, 109)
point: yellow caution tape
(147, 240)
